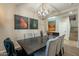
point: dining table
(31, 45)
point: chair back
(51, 47)
(9, 46)
(62, 41)
(59, 43)
(55, 34)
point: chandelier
(42, 10)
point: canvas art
(33, 23)
(51, 26)
(21, 22)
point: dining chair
(60, 45)
(50, 49)
(9, 46)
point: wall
(6, 22)
(62, 25)
(25, 10)
(7, 12)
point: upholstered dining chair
(60, 45)
(10, 49)
(50, 49)
(9, 46)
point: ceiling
(52, 7)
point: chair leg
(61, 51)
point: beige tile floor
(70, 48)
(70, 43)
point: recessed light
(71, 12)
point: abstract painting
(33, 23)
(21, 22)
(51, 26)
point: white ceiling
(52, 7)
(62, 6)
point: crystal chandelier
(43, 11)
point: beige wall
(7, 12)
(6, 22)
(65, 27)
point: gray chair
(50, 48)
(60, 45)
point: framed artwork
(33, 23)
(21, 22)
(51, 26)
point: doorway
(73, 27)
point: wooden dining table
(31, 45)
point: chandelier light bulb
(43, 12)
